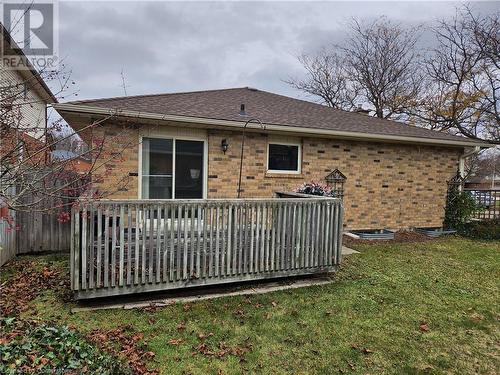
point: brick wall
(388, 185)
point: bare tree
(487, 166)
(377, 65)
(381, 59)
(463, 78)
(327, 79)
(30, 178)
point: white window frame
(299, 157)
(174, 138)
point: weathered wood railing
(133, 246)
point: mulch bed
(399, 237)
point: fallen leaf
(174, 341)
(424, 327)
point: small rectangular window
(283, 158)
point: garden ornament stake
(251, 120)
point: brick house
(188, 145)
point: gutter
(85, 109)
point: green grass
(366, 322)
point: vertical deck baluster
(293, 237)
(217, 239)
(185, 248)
(106, 246)
(339, 235)
(284, 232)
(251, 253)
(235, 238)
(99, 247)
(165, 247)
(198, 243)
(144, 239)
(263, 227)
(268, 236)
(314, 223)
(171, 209)
(333, 238)
(151, 243)
(91, 247)
(77, 249)
(122, 243)
(257, 236)
(273, 222)
(318, 233)
(210, 228)
(129, 245)
(326, 236)
(225, 235)
(192, 242)
(178, 248)
(308, 235)
(205, 249)
(303, 223)
(136, 247)
(72, 250)
(236, 250)
(159, 232)
(113, 248)
(231, 241)
(277, 259)
(240, 244)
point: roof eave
(89, 110)
(49, 97)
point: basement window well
(373, 234)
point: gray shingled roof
(268, 107)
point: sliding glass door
(172, 168)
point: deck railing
(133, 246)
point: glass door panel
(157, 172)
(189, 169)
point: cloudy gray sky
(174, 46)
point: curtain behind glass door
(189, 169)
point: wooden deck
(123, 247)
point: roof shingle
(268, 107)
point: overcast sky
(173, 46)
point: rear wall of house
(388, 185)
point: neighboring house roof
(277, 112)
(73, 161)
(28, 72)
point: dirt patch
(399, 237)
(29, 279)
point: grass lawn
(413, 308)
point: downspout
(463, 157)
